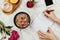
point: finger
(52, 12)
(41, 33)
(42, 37)
(45, 10)
(50, 30)
(46, 14)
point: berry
(30, 4)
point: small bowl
(16, 16)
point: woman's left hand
(47, 36)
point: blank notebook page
(41, 23)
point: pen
(49, 11)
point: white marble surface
(28, 33)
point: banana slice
(7, 7)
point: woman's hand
(50, 14)
(47, 36)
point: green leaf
(7, 30)
(1, 26)
(9, 27)
(3, 38)
(1, 30)
(8, 33)
(4, 28)
(2, 23)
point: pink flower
(10, 38)
(14, 35)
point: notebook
(41, 23)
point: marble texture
(28, 33)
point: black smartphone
(48, 2)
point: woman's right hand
(50, 14)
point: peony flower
(10, 38)
(14, 35)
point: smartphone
(48, 2)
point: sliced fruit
(7, 7)
(14, 1)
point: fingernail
(47, 30)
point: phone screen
(48, 2)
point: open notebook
(41, 23)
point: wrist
(55, 19)
(55, 39)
